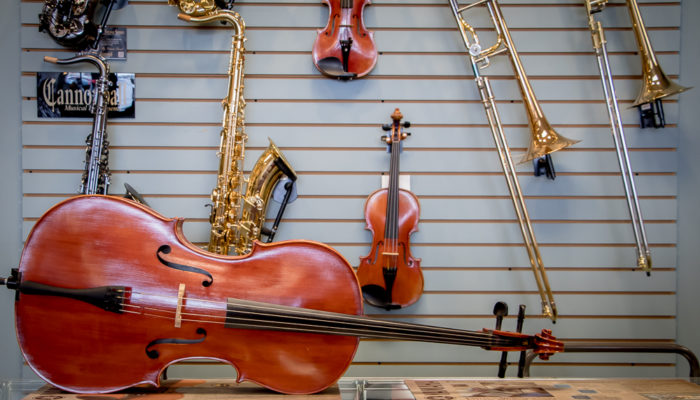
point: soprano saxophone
(236, 217)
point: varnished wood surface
(95, 241)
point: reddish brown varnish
(285, 315)
(389, 275)
(92, 241)
(345, 25)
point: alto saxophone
(236, 217)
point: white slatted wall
(468, 237)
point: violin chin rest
(333, 67)
(376, 295)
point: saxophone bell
(134, 195)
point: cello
(345, 49)
(109, 293)
(389, 275)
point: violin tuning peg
(385, 138)
(406, 124)
(386, 127)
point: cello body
(100, 241)
(345, 49)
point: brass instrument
(655, 84)
(544, 139)
(71, 23)
(601, 50)
(237, 218)
(96, 177)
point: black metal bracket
(289, 189)
(500, 310)
(651, 115)
(544, 166)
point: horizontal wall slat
(468, 239)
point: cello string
(247, 323)
(272, 310)
(316, 325)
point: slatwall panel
(468, 238)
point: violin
(109, 293)
(345, 49)
(389, 275)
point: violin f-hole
(165, 249)
(153, 354)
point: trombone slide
(544, 139)
(600, 47)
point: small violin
(389, 276)
(345, 49)
(109, 293)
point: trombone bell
(655, 84)
(544, 140)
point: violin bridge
(178, 310)
(390, 254)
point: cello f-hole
(165, 249)
(153, 354)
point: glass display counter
(390, 389)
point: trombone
(543, 140)
(655, 84)
(601, 51)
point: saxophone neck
(217, 14)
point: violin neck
(244, 314)
(392, 202)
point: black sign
(112, 44)
(71, 95)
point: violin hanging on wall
(109, 293)
(345, 49)
(389, 276)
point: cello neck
(244, 314)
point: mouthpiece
(184, 17)
(52, 60)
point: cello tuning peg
(386, 127)
(500, 310)
(406, 124)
